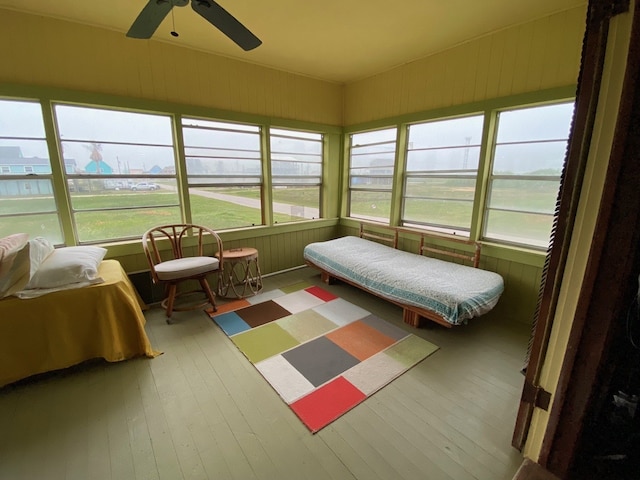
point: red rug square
(321, 293)
(327, 403)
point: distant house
(12, 162)
(99, 167)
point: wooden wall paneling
(539, 52)
(471, 67)
(510, 39)
(482, 73)
(522, 62)
(457, 71)
(495, 66)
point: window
(120, 171)
(224, 173)
(529, 154)
(296, 174)
(27, 203)
(371, 168)
(440, 177)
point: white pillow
(39, 249)
(69, 265)
(14, 263)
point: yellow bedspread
(65, 328)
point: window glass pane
(291, 204)
(21, 119)
(296, 174)
(27, 202)
(520, 228)
(93, 194)
(374, 160)
(123, 179)
(96, 226)
(528, 158)
(29, 206)
(370, 205)
(88, 125)
(440, 181)
(224, 173)
(454, 160)
(371, 168)
(375, 180)
(525, 195)
(96, 158)
(226, 207)
(548, 122)
(441, 187)
(452, 214)
(294, 168)
(459, 132)
(367, 138)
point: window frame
(391, 176)
(24, 180)
(317, 180)
(128, 179)
(449, 174)
(493, 178)
(230, 127)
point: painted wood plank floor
(201, 411)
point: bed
(442, 291)
(66, 327)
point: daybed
(442, 291)
(66, 327)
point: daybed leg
(326, 278)
(411, 318)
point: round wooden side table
(240, 274)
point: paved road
(284, 208)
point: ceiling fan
(155, 11)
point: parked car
(145, 186)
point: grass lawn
(130, 213)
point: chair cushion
(186, 267)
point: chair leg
(210, 295)
(171, 297)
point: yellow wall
(54, 53)
(534, 56)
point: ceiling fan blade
(226, 23)
(150, 18)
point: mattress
(64, 328)
(455, 292)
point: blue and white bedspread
(456, 292)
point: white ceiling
(334, 40)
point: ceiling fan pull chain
(173, 22)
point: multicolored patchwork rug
(322, 354)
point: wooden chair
(176, 253)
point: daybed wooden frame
(411, 314)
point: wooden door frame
(610, 279)
(609, 284)
(599, 14)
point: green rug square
(410, 350)
(306, 325)
(295, 287)
(264, 342)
